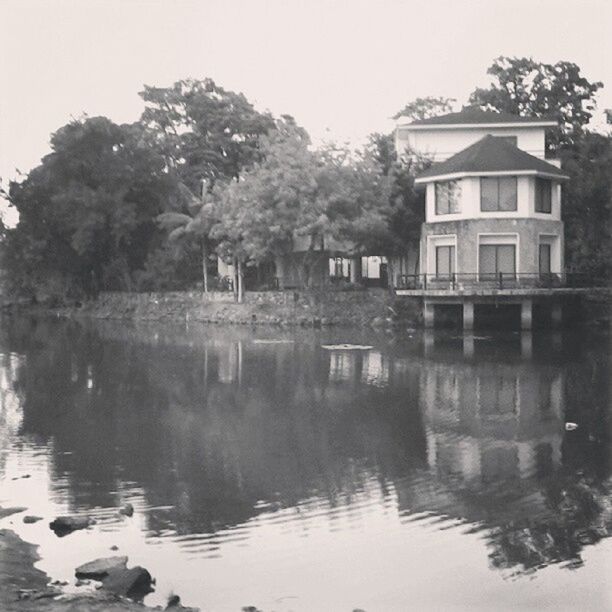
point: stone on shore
(63, 525)
(32, 519)
(134, 583)
(100, 568)
(127, 510)
(8, 511)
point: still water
(268, 468)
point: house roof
(476, 116)
(490, 155)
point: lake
(281, 469)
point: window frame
(543, 185)
(491, 276)
(451, 188)
(548, 246)
(451, 260)
(498, 182)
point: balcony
(474, 283)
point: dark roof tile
(475, 115)
(491, 154)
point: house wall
(470, 202)
(467, 234)
(439, 144)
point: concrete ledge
(526, 292)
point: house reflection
(487, 423)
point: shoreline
(24, 588)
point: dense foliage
(203, 174)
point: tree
(194, 224)
(405, 212)
(87, 212)
(203, 130)
(522, 86)
(260, 212)
(587, 205)
(424, 108)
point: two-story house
(493, 201)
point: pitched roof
(490, 155)
(476, 116)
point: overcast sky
(340, 67)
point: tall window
(543, 195)
(498, 193)
(448, 194)
(445, 261)
(544, 259)
(496, 258)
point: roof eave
(459, 175)
(460, 126)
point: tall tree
(203, 130)
(194, 224)
(525, 87)
(87, 212)
(424, 108)
(587, 205)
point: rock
(114, 547)
(78, 582)
(134, 583)
(8, 511)
(100, 568)
(127, 510)
(31, 519)
(63, 525)
(174, 601)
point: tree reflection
(212, 428)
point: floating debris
(271, 341)
(347, 347)
(569, 426)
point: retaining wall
(375, 307)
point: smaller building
(492, 209)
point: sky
(342, 68)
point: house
(493, 208)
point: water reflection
(219, 435)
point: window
(448, 194)
(543, 196)
(495, 259)
(498, 194)
(445, 261)
(544, 259)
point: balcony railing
(499, 280)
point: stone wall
(375, 307)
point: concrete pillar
(526, 314)
(468, 345)
(526, 345)
(468, 315)
(428, 314)
(355, 270)
(557, 314)
(428, 342)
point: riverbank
(372, 308)
(360, 308)
(24, 588)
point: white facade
(439, 142)
(469, 202)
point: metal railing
(498, 280)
